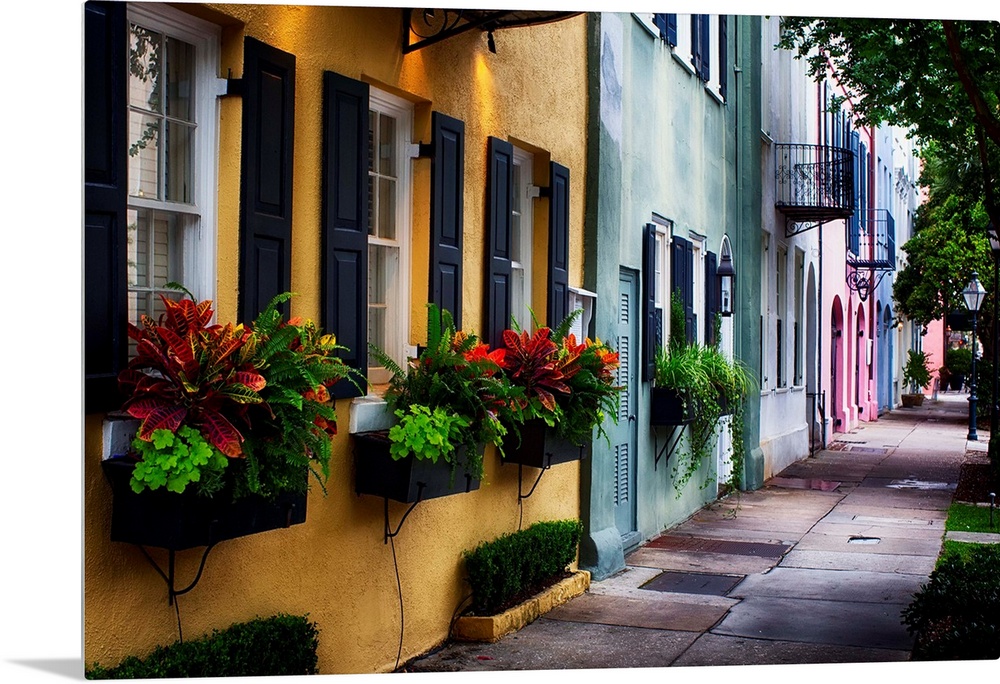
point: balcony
(813, 183)
(872, 244)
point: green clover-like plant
(176, 459)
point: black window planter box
(666, 407)
(183, 521)
(407, 480)
(539, 447)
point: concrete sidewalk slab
(633, 612)
(899, 498)
(885, 546)
(693, 561)
(629, 582)
(842, 623)
(912, 517)
(717, 649)
(555, 645)
(830, 585)
(868, 529)
(867, 562)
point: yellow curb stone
(495, 627)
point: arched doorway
(885, 359)
(837, 363)
(816, 411)
(861, 366)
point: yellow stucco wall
(335, 566)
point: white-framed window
(781, 307)
(698, 286)
(172, 156)
(765, 312)
(521, 237)
(664, 229)
(715, 55)
(390, 120)
(683, 48)
(798, 330)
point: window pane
(518, 307)
(376, 331)
(138, 249)
(180, 79)
(387, 146)
(144, 154)
(387, 208)
(145, 49)
(179, 152)
(372, 188)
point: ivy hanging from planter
(709, 386)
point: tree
(940, 78)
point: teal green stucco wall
(658, 142)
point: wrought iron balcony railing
(813, 182)
(871, 244)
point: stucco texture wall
(335, 566)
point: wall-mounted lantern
(727, 276)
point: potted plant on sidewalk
(447, 402)
(231, 421)
(563, 391)
(958, 361)
(916, 376)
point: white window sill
(798, 388)
(119, 430)
(683, 62)
(370, 413)
(712, 89)
(781, 390)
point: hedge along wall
(335, 567)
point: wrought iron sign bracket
(435, 25)
(389, 532)
(793, 227)
(170, 575)
(668, 447)
(863, 284)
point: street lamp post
(973, 294)
(995, 408)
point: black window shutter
(447, 172)
(672, 30)
(711, 297)
(105, 200)
(660, 22)
(344, 267)
(690, 315)
(854, 226)
(558, 296)
(696, 43)
(681, 280)
(705, 47)
(649, 316)
(723, 55)
(499, 179)
(266, 176)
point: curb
(493, 628)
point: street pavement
(815, 567)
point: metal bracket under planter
(407, 480)
(177, 522)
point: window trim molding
(206, 38)
(403, 110)
(528, 192)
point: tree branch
(989, 122)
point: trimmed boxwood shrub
(520, 562)
(955, 614)
(278, 645)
